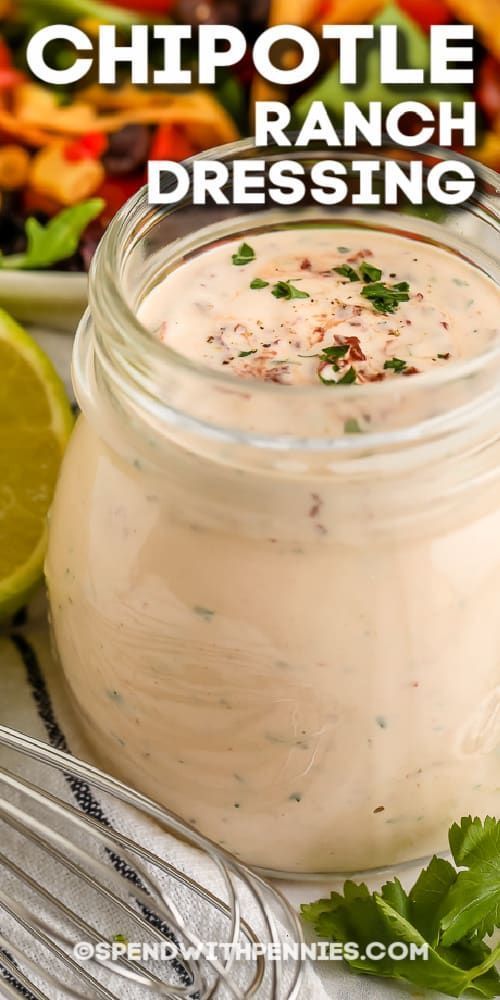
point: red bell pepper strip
(5, 55)
(87, 147)
(426, 12)
(170, 142)
(10, 77)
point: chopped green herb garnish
(351, 426)
(258, 283)
(337, 351)
(346, 271)
(285, 290)
(342, 249)
(369, 273)
(396, 364)
(444, 357)
(246, 354)
(245, 255)
(347, 379)
(447, 915)
(386, 298)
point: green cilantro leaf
(245, 255)
(474, 840)
(396, 364)
(58, 240)
(332, 353)
(473, 903)
(348, 379)
(259, 283)
(447, 913)
(386, 298)
(428, 894)
(347, 272)
(369, 273)
(246, 354)
(285, 290)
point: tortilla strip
(28, 135)
(131, 96)
(485, 16)
(204, 119)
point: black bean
(128, 150)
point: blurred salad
(70, 158)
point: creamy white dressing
(303, 662)
(208, 310)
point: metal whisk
(76, 876)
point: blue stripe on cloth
(83, 794)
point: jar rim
(109, 305)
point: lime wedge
(35, 424)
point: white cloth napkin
(32, 700)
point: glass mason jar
(287, 634)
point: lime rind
(17, 587)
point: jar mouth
(130, 351)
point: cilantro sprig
(58, 240)
(396, 364)
(447, 911)
(386, 298)
(285, 290)
(244, 255)
(346, 271)
(369, 273)
(335, 352)
(348, 378)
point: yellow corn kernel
(53, 175)
(14, 167)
